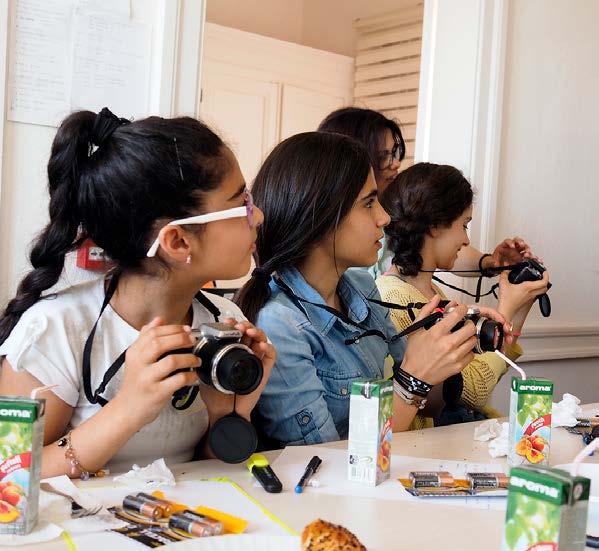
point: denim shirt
(306, 400)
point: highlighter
(258, 465)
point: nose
(466, 241)
(383, 219)
(395, 164)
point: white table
(386, 525)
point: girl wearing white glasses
(167, 202)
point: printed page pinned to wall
(76, 54)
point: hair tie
(261, 275)
(104, 126)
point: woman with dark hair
(167, 202)
(430, 207)
(322, 217)
(385, 144)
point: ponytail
(255, 293)
(111, 180)
(59, 236)
(305, 188)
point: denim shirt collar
(355, 302)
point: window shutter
(388, 67)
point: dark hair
(366, 126)
(421, 197)
(140, 172)
(306, 186)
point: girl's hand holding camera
(517, 299)
(220, 404)
(435, 354)
(148, 382)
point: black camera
(228, 365)
(531, 270)
(489, 333)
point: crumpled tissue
(563, 414)
(154, 475)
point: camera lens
(237, 369)
(490, 335)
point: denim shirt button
(344, 391)
(305, 419)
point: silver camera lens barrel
(216, 360)
(479, 326)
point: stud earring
(188, 260)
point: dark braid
(60, 234)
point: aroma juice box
(531, 401)
(370, 431)
(547, 510)
(21, 442)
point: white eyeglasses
(237, 212)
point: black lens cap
(233, 439)
(545, 305)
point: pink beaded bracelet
(74, 464)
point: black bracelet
(483, 272)
(410, 383)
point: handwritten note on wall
(68, 55)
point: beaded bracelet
(74, 464)
(408, 397)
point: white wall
(176, 33)
(508, 94)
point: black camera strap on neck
(94, 397)
(366, 331)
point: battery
(142, 507)
(193, 527)
(431, 479)
(216, 525)
(489, 481)
(166, 507)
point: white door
(244, 111)
(302, 110)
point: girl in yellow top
(430, 208)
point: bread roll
(321, 535)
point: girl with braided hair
(430, 207)
(167, 202)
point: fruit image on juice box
(370, 431)
(547, 510)
(21, 441)
(531, 402)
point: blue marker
(310, 470)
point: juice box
(370, 431)
(547, 510)
(21, 442)
(531, 401)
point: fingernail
(187, 328)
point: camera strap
(95, 397)
(366, 331)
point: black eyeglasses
(386, 157)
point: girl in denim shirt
(322, 216)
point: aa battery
(193, 527)
(431, 479)
(164, 505)
(217, 526)
(487, 481)
(142, 507)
